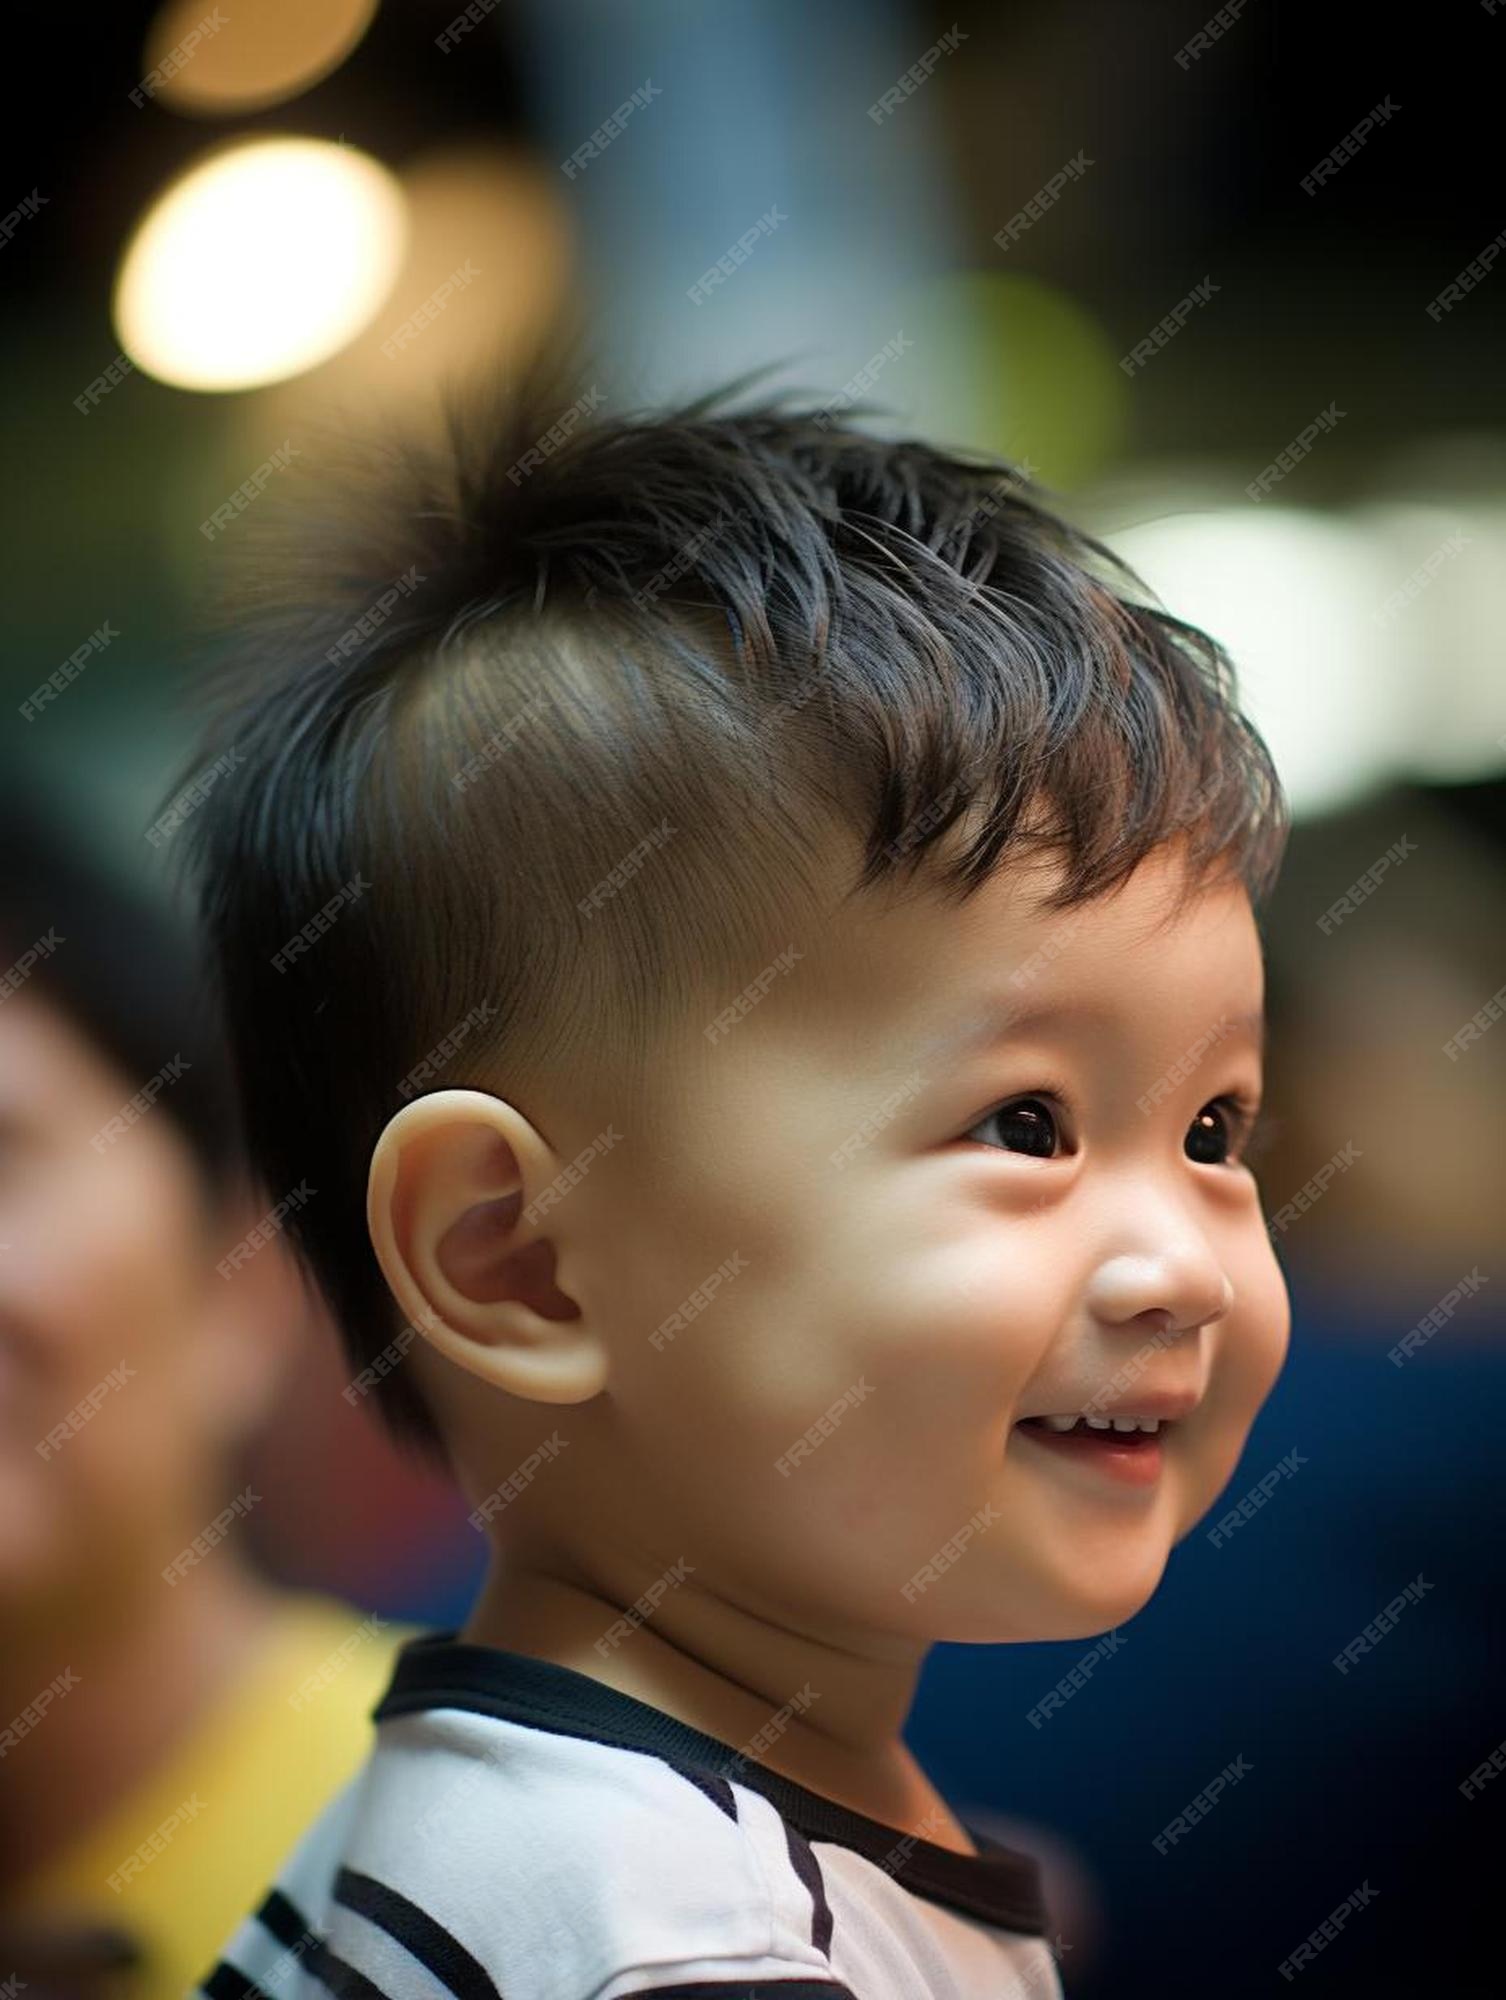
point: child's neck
(850, 1752)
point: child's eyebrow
(997, 1020)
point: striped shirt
(523, 1832)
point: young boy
(755, 932)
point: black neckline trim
(440, 1670)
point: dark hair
(485, 682)
(113, 955)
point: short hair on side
(538, 725)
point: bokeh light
(1298, 599)
(251, 57)
(260, 262)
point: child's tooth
(1100, 1423)
(1058, 1423)
(1126, 1423)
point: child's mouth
(1132, 1457)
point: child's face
(896, 1295)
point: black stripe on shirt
(228, 1982)
(291, 1928)
(438, 1950)
(342, 1980)
(285, 1922)
(808, 1868)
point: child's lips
(1129, 1458)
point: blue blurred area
(1353, 1776)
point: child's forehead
(1005, 956)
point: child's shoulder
(512, 1859)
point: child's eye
(1222, 1131)
(1027, 1123)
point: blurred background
(1235, 286)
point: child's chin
(1088, 1607)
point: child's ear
(450, 1204)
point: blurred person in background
(170, 1718)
